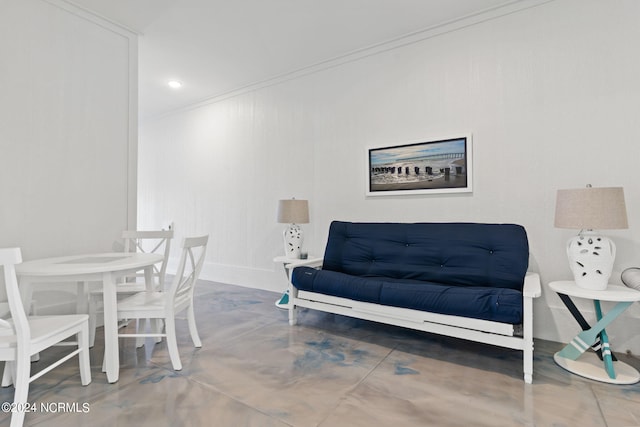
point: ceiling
(216, 47)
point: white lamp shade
(293, 211)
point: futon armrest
(311, 262)
(531, 288)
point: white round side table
(573, 357)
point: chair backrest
(191, 262)
(9, 257)
(158, 242)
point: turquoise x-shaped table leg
(604, 339)
(584, 339)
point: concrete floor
(255, 370)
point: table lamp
(591, 255)
(293, 212)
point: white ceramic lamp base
(591, 259)
(293, 238)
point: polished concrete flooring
(255, 370)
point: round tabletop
(87, 264)
(615, 293)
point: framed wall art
(425, 167)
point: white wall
(68, 129)
(550, 94)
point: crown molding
(480, 17)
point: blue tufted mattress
(464, 269)
(487, 303)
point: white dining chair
(22, 337)
(165, 305)
(158, 242)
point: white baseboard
(274, 279)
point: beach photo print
(427, 167)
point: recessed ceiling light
(174, 84)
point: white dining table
(105, 268)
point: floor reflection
(256, 370)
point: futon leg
(293, 310)
(293, 314)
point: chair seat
(43, 328)
(145, 301)
(123, 288)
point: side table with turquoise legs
(287, 263)
(573, 356)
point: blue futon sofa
(466, 280)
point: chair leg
(21, 376)
(191, 318)
(157, 329)
(7, 377)
(83, 356)
(93, 313)
(141, 328)
(172, 343)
